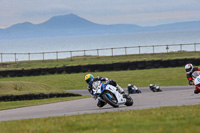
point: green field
(24, 87)
(84, 60)
(162, 76)
(184, 119)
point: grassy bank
(24, 87)
(19, 104)
(84, 60)
(165, 119)
(162, 76)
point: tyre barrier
(91, 68)
(181, 62)
(149, 64)
(157, 63)
(27, 72)
(101, 67)
(68, 69)
(52, 70)
(84, 68)
(109, 67)
(4, 73)
(35, 96)
(116, 66)
(133, 65)
(141, 65)
(124, 66)
(173, 63)
(44, 71)
(165, 63)
(76, 69)
(60, 70)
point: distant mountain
(73, 25)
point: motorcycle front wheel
(112, 101)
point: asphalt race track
(170, 96)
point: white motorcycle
(196, 76)
(109, 94)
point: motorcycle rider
(93, 84)
(190, 70)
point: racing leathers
(191, 77)
(93, 87)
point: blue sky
(140, 12)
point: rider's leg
(120, 89)
(197, 90)
(113, 83)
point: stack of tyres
(165, 63)
(133, 65)
(157, 63)
(52, 70)
(3, 73)
(141, 64)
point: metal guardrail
(14, 57)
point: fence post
(195, 47)
(139, 49)
(71, 55)
(57, 55)
(167, 48)
(98, 53)
(1, 58)
(29, 56)
(43, 56)
(112, 51)
(125, 51)
(153, 49)
(84, 52)
(15, 57)
(180, 47)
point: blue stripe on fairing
(109, 95)
(103, 87)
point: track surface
(171, 96)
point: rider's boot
(121, 91)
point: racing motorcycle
(133, 89)
(109, 94)
(196, 76)
(155, 88)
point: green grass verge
(165, 119)
(24, 87)
(162, 76)
(18, 104)
(84, 60)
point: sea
(98, 45)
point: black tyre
(112, 101)
(129, 101)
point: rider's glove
(191, 82)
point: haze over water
(98, 42)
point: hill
(73, 25)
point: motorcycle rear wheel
(129, 101)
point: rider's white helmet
(188, 68)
